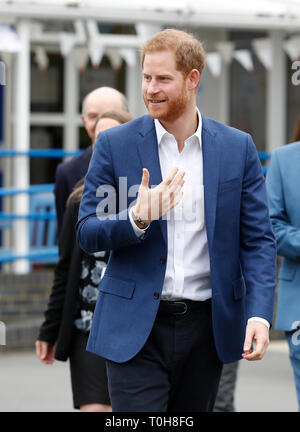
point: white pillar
(276, 94)
(133, 91)
(21, 131)
(224, 100)
(7, 162)
(71, 97)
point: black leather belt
(181, 307)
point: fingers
(44, 352)
(248, 338)
(38, 349)
(255, 332)
(145, 178)
(170, 177)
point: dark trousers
(177, 369)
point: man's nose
(153, 87)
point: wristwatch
(139, 220)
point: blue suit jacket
(283, 186)
(241, 243)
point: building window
(92, 78)
(248, 92)
(47, 86)
(42, 170)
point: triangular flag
(129, 55)
(41, 57)
(81, 58)
(96, 54)
(114, 57)
(67, 42)
(243, 56)
(214, 63)
(226, 49)
(263, 50)
(292, 48)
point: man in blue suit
(191, 275)
(283, 186)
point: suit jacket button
(156, 295)
(162, 260)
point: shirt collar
(161, 131)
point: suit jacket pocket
(239, 288)
(117, 287)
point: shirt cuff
(139, 232)
(262, 320)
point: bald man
(69, 173)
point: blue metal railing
(42, 220)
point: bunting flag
(96, 54)
(81, 58)
(41, 58)
(67, 42)
(114, 57)
(292, 48)
(214, 63)
(244, 57)
(9, 40)
(263, 50)
(129, 55)
(226, 49)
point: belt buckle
(185, 306)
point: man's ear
(83, 119)
(193, 78)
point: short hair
(189, 51)
(119, 116)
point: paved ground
(29, 386)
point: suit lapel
(211, 171)
(148, 152)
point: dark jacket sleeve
(61, 192)
(50, 327)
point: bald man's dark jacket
(67, 175)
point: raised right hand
(152, 203)
(44, 351)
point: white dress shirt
(188, 266)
